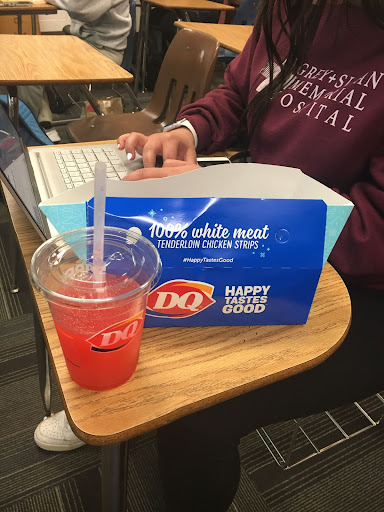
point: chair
(126, 62)
(185, 76)
(302, 446)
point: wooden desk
(181, 8)
(44, 60)
(232, 37)
(183, 370)
(37, 7)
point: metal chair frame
(285, 462)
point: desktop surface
(54, 61)
(183, 370)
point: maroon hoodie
(328, 122)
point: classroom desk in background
(53, 59)
(232, 37)
(181, 8)
(183, 370)
(19, 8)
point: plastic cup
(99, 324)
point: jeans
(198, 454)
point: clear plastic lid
(62, 268)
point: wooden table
(37, 7)
(181, 8)
(46, 59)
(232, 37)
(183, 370)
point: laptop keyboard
(77, 165)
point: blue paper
(228, 260)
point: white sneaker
(55, 434)
(53, 135)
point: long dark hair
(299, 20)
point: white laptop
(34, 176)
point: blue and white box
(241, 244)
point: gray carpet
(346, 478)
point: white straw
(100, 192)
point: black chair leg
(132, 96)
(114, 471)
(42, 364)
(13, 259)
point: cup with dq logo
(99, 316)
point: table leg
(114, 470)
(223, 14)
(186, 16)
(33, 21)
(92, 100)
(13, 254)
(139, 49)
(13, 259)
(147, 13)
(13, 105)
(19, 24)
(42, 363)
(132, 96)
(142, 48)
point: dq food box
(239, 243)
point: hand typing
(170, 168)
(175, 145)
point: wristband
(179, 124)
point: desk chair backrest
(185, 74)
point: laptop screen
(17, 174)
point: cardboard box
(240, 243)
(108, 106)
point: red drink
(100, 345)
(98, 309)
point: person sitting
(105, 25)
(307, 91)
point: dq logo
(116, 336)
(180, 299)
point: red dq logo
(180, 299)
(116, 336)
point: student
(104, 24)
(321, 109)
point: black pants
(198, 455)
